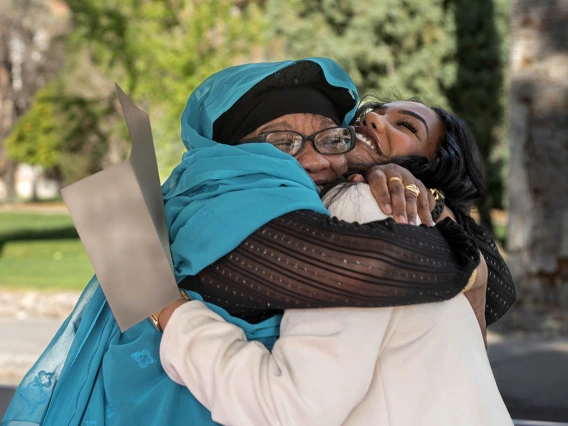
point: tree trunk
(538, 181)
(7, 117)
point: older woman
(255, 216)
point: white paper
(119, 215)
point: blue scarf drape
(93, 375)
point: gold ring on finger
(414, 189)
(395, 178)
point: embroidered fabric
(308, 260)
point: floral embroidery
(143, 358)
(43, 379)
(202, 217)
(34, 394)
(109, 411)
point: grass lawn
(41, 251)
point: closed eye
(408, 125)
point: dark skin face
(397, 129)
(321, 168)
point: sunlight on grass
(41, 251)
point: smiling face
(397, 129)
(321, 168)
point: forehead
(427, 113)
(299, 122)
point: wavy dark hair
(458, 170)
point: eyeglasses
(332, 141)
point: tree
(34, 139)
(477, 93)
(447, 52)
(158, 51)
(30, 55)
(391, 44)
(538, 231)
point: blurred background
(502, 65)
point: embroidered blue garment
(91, 374)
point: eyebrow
(280, 125)
(413, 114)
(283, 125)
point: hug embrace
(331, 272)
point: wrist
(161, 317)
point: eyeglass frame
(261, 138)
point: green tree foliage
(158, 51)
(447, 52)
(35, 138)
(477, 93)
(60, 134)
(404, 45)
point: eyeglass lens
(337, 140)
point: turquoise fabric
(92, 374)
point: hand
(388, 183)
(476, 297)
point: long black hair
(458, 169)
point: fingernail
(388, 209)
(401, 219)
(410, 222)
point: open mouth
(369, 138)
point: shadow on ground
(532, 375)
(63, 233)
(6, 393)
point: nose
(374, 121)
(311, 160)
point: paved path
(532, 374)
(21, 343)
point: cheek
(402, 145)
(405, 145)
(432, 154)
(338, 164)
(362, 155)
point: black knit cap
(254, 109)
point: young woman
(349, 366)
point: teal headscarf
(93, 375)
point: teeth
(366, 140)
